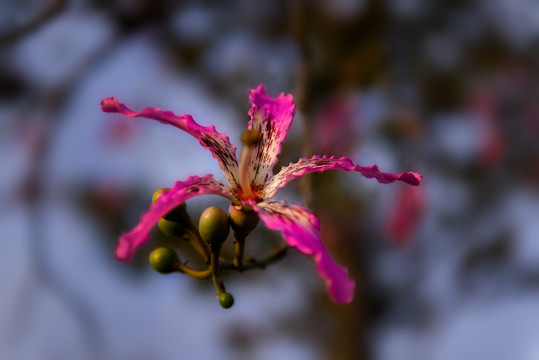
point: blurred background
(446, 270)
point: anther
(250, 138)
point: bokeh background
(449, 89)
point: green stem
(215, 265)
(214, 269)
(239, 249)
(194, 239)
(197, 274)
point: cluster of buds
(207, 240)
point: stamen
(249, 138)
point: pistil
(249, 138)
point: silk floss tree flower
(251, 183)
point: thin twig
(18, 32)
(252, 263)
(196, 274)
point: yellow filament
(250, 139)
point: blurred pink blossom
(335, 127)
(406, 215)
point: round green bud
(242, 220)
(179, 214)
(213, 226)
(171, 228)
(163, 260)
(226, 300)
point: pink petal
(181, 192)
(302, 230)
(219, 144)
(319, 164)
(272, 117)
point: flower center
(249, 138)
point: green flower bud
(157, 194)
(226, 300)
(171, 228)
(179, 214)
(213, 226)
(242, 220)
(163, 260)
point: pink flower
(335, 127)
(251, 181)
(404, 218)
(485, 108)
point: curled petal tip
(411, 178)
(121, 257)
(341, 287)
(344, 294)
(109, 104)
(260, 88)
(125, 250)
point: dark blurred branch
(18, 32)
(349, 339)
